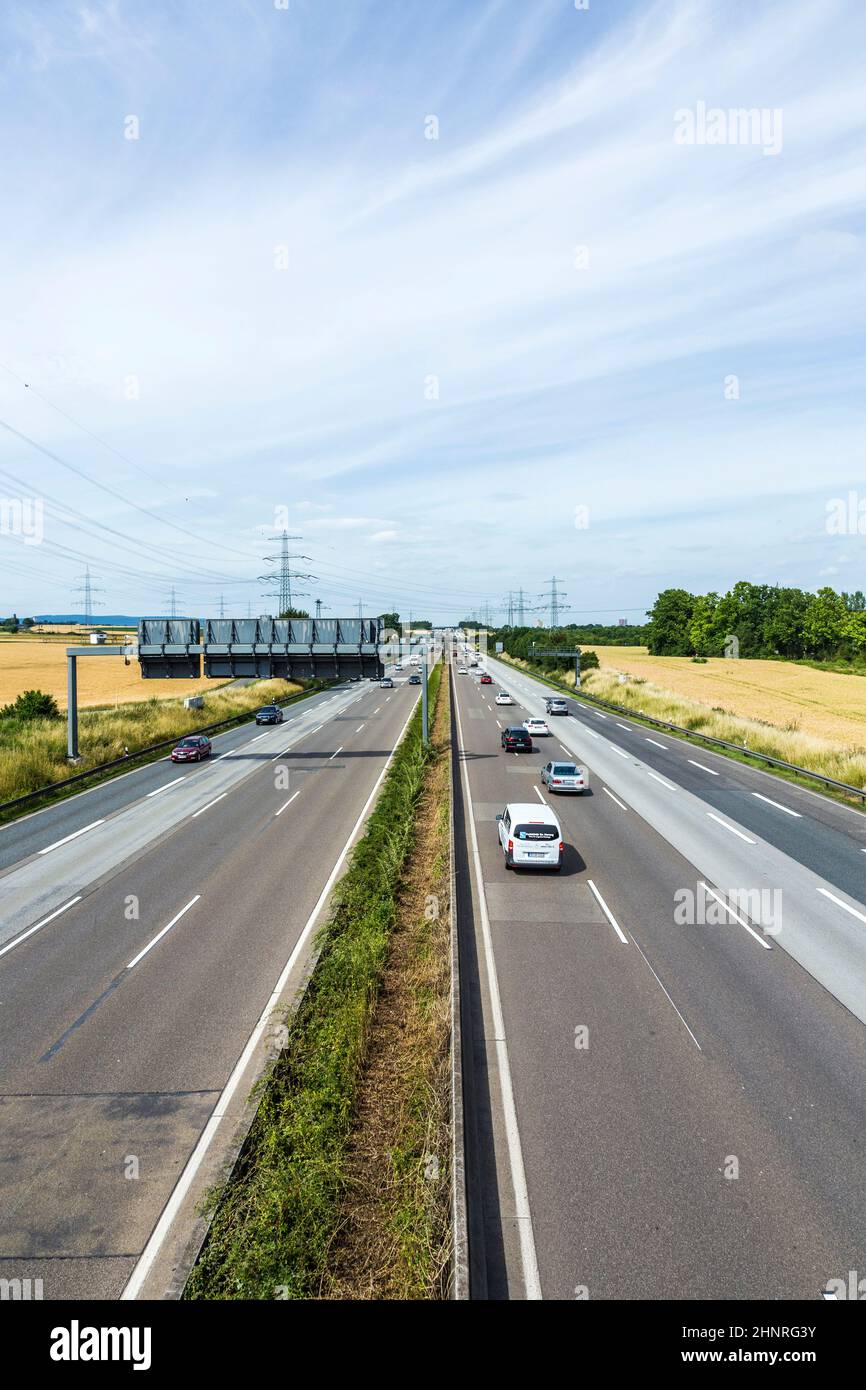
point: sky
(465, 295)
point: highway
(662, 1109)
(147, 928)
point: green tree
(702, 626)
(823, 623)
(783, 624)
(669, 619)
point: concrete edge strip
(172, 1284)
(460, 1289)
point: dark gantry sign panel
(330, 648)
(170, 647)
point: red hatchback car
(486, 680)
(192, 749)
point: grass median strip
(342, 1187)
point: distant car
(461, 671)
(538, 727)
(192, 749)
(516, 740)
(414, 680)
(269, 714)
(399, 666)
(565, 777)
(473, 663)
(530, 837)
(555, 705)
(486, 680)
(503, 698)
(386, 683)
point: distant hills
(104, 619)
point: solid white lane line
(165, 786)
(710, 770)
(334, 754)
(607, 912)
(160, 934)
(657, 744)
(540, 797)
(670, 1001)
(733, 829)
(287, 803)
(615, 798)
(194, 1162)
(10, 946)
(654, 775)
(74, 836)
(737, 918)
(621, 751)
(202, 810)
(840, 903)
(528, 1257)
(778, 805)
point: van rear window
(536, 832)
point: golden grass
(841, 758)
(35, 755)
(29, 663)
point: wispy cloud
(284, 293)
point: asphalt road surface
(662, 1108)
(144, 927)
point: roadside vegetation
(342, 1189)
(33, 731)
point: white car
(565, 777)
(537, 727)
(530, 837)
(461, 671)
(503, 698)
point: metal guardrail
(129, 758)
(706, 738)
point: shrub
(31, 704)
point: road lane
(644, 1072)
(829, 839)
(110, 1073)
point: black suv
(269, 714)
(516, 740)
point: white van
(530, 836)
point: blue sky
(282, 298)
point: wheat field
(30, 664)
(825, 705)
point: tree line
(759, 620)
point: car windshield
(564, 769)
(535, 832)
(188, 743)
